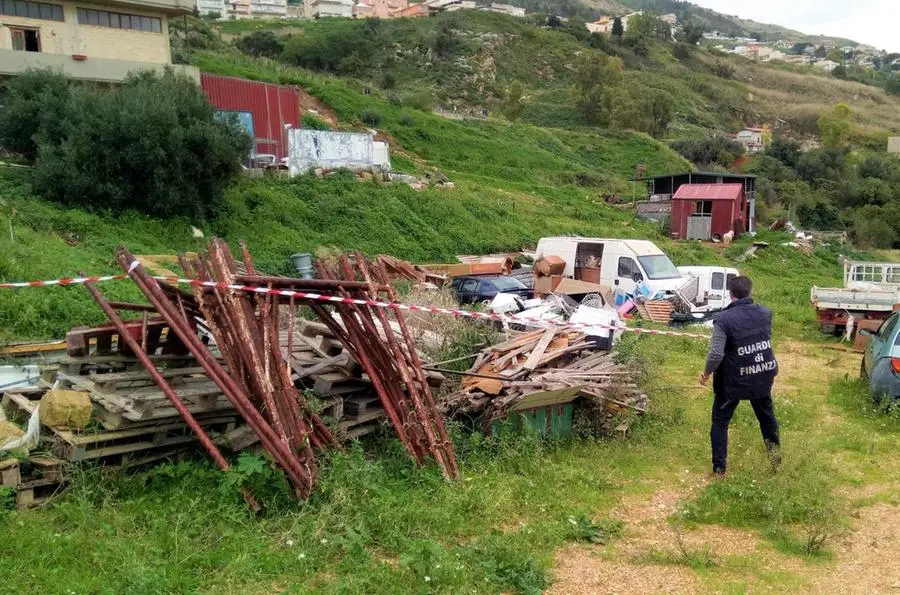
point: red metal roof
(709, 191)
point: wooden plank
(548, 397)
(537, 353)
(109, 377)
(524, 339)
(85, 439)
(349, 423)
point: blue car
(484, 288)
(881, 362)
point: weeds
(601, 532)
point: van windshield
(659, 266)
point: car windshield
(507, 283)
(659, 266)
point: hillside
(467, 61)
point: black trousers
(723, 410)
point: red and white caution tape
(305, 295)
(64, 281)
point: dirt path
(652, 557)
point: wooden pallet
(105, 445)
(37, 492)
(9, 473)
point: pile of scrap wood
(545, 367)
(402, 270)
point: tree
(554, 22)
(595, 77)
(692, 32)
(617, 29)
(821, 52)
(892, 84)
(152, 144)
(784, 150)
(35, 103)
(445, 41)
(822, 165)
(649, 26)
(514, 102)
(633, 106)
(834, 126)
(871, 229)
(260, 44)
(839, 72)
(834, 54)
(799, 47)
(712, 149)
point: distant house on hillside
(752, 139)
(379, 9)
(601, 25)
(826, 65)
(329, 8)
(509, 9)
(413, 11)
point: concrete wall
(92, 69)
(311, 149)
(70, 38)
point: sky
(866, 21)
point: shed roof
(709, 191)
(716, 174)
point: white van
(712, 291)
(625, 261)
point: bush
(312, 122)
(714, 149)
(35, 102)
(371, 117)
(260, 43)
(152, 144)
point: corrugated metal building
(702, 211)
(263, 109)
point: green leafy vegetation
(151, 144)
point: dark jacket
(749, 367)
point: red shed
(263, 109)
(702, 211)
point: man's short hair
(740, 287)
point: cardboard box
(549, 266)
(543, 285)
(555, 280)
(576, 287)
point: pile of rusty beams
(554, 363)
(254, 374)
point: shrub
(35, 102)
(371, 117)
(312, 122)
(714, 149)
(260, 43)
(723, 69)
(152, 144)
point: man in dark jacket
(743, 367)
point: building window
(115, 20)
(703, 208)
(25, 40)
(31, 10)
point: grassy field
(522, 510)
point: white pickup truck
(871, 290)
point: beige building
(99, 42)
